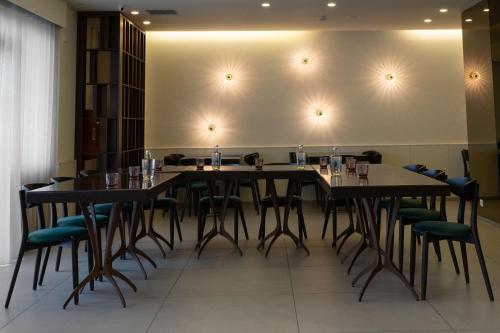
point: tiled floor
(288, 292)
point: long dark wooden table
(229, 175)
(92, 189)
(384, 181)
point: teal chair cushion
(105, 208)
(199, 185)
(442, 229)
(405, 203)
(219, 201)
(161, 203)
(412, 215)
(268, 201)
(79, 221)
(55, 235)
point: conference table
(383, 181)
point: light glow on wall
(318, 112)
(224, 36)
(305, 61)
(436, 34)
(209, 127)
(476, 76)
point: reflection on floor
(288, 292)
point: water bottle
(301, 158)
(148, 166)
(216, 158)
(335, 162)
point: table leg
(107, 269)
(282, 228)
(218, 218)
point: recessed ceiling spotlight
(486, 10)
(134, 12)
(266, 4)
(331, 4)
(443, 10)
(468, 20)
(427, 20)
(146, 22)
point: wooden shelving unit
(110, 92)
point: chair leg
(453, 256)
(171, 226)
(58, 258)
(401, 246)
(465, 262)
(413, 250)
(99, 249)
(257, 190)
(243, 222)
(37, 267)
(327, 219)
(74, 266)
(44, 265)
(254, 197)
(425, 262)
(335, 224)
(262, 228)
(482, 263)
(90, 262)
(200, 235)
(302, 224)
(437, 249)
(14, 276)
(236, 222)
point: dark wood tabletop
(383, 181)
(93, 189)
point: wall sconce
(305, 61)
(229, 76)
(474, 76)
(318, 112)
(389, 77)
(211, 127)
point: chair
(172, 159)
(411, 215)
(252, 184)
(193, 190)
(415, 167)
(44, 237)
(467, 190)
(317, 190)
(102, 208)
(465, 161)
(71, 221)
(166, 204)
(374, 157)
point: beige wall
(273, 97)
(54, 11)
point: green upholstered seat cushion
(161, 203)
(199, 185)
(219, 200)
(412, 215)
(79, 221)
(268, 201)
(442, 229)
(405, 203)
(105, 208)
(55, 235)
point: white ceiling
(289, 14)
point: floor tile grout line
(291, 286)
(440, 315)
(169, 291)
(34, 303)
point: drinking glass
(112, 179)
(259, 163)
(200, 163)
(134, 171)
(336, 165)
(323, 162)
(362, 170)
(158, 165)
(350, 163)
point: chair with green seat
(411, 215)
(234, 202)
(193, 189)
(253, 184)
(71, 221)
(166, 204)
(44, 237)
(467, 190)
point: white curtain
(28, 106)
